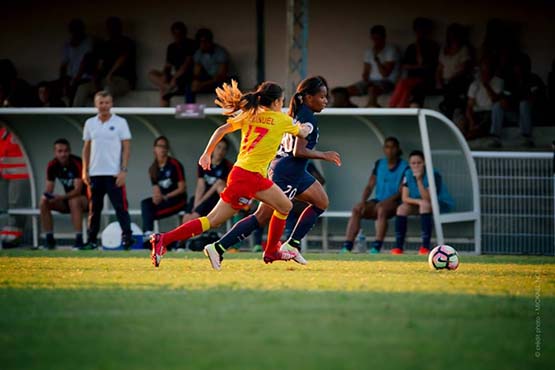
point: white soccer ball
(443, 257)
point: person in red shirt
(67, 169)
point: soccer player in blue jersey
(386, 180)
(288, 170)
(416, 200)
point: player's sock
(426, 229)
(275, 230)
(348, 244)
(378, 244)
(238, 232)
(50, 238)
(186, 231)
(304, 224)
(400, 231)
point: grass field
(79, 310)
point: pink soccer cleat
(158, 250)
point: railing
(517, 202)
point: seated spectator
(14, 91)
(523, 94)
(210, 183)
(341, 98)
(482, 94)
(116, 67)
(386, 180)
(45, 97)
(416, 199)
(67, 168)
(169, 191)
(175, 77)
(454, 73)
(381, 68)
(212, 63)
(419, 64)
(76, 68)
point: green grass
(94, 310)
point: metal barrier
(517, 202)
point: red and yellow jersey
(260, 139)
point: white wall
(33, 31)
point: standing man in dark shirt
(210, 183)
(175, 78)
(169, 190)
(67, 168)
(117, 67)
(419, 64)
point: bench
(34, 213)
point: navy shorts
(292, 184)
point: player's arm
(213, 189)
(181, 187)
(205, 159)
(86, 154)
(366, 69)
(156, 194)
(181, 70)
(469, 114)
(369, 188)
(408, 200)
(199, 192)
(386, 67)
(49, 188)
(424, 192)
(125, 154)
(77, 189)
(301, 151)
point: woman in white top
(453, 75)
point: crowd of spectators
(90, 64)
(480, 89)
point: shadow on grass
(250, 329)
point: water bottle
(361, 242)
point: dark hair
(162, 137)
(225, 141)
(232, 100)
(62, 141)
(308, 86)
(394, 140)
(417, 153)
(153, 169)
(378, 30)
(179, 26)
(204, 33)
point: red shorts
(242, 186)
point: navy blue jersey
(168, 176)
(285, 151)
(66, 174)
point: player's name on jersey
(263, 120)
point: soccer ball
(443, 257)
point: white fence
(517, 202)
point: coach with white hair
(106, 149)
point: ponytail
(308, 86)
(232, 100)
